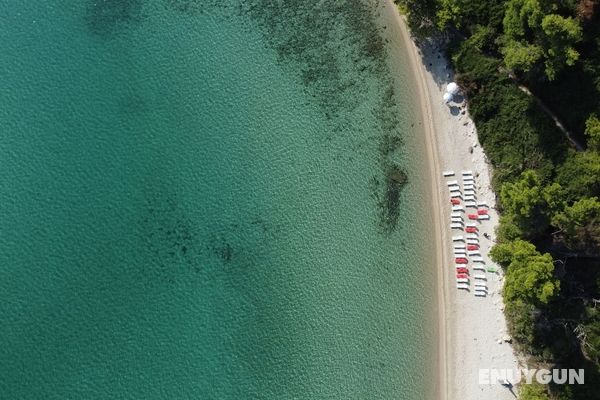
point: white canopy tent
(452, 88)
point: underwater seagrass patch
(105, 17)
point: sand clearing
(471, 328)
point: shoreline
(440, 257)
(470, 329)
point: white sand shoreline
(470, 328)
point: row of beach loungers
(466, 246)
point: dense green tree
(580, 175)
(503, 253)
(580, 224)
(523, 201)
(560, 36)
(508, 230)
(554, 196)
(533, 32)
(482, 38)
(521, 56)
(529, 274)
(589, 336)
(448, 13)
(592, 131)
(520, 316)
(591, 347)
(531, 279)
(521, 17)
(534, 391)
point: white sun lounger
(455, 225)
(448, 173)
(483, 217)
(473, 241)
(459, 253)
(470, 198)
(482, 204)
(474, 253)
(479, 268)
(471, 204)
(456, 214)
(462, 280)
(472, 224)
(480, 293)
(480, 276)
(477, 259)
(455, 220)
(458, 208)
(454, 188)
(469, 187)
(467, 172)
(452, 183)
(480, 286)
(464, 286)
(469, 193)
(455, 193)
(460, 246)
(458, 238)
(472, 236)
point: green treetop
(534, 33)
(523, 202)
(592, 131)
(580, 223)
(529, 274)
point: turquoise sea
(209, 200)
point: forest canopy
(522, 64)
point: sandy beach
(471, 329)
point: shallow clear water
(196, 201)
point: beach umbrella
(452, 88)
(447, 98)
